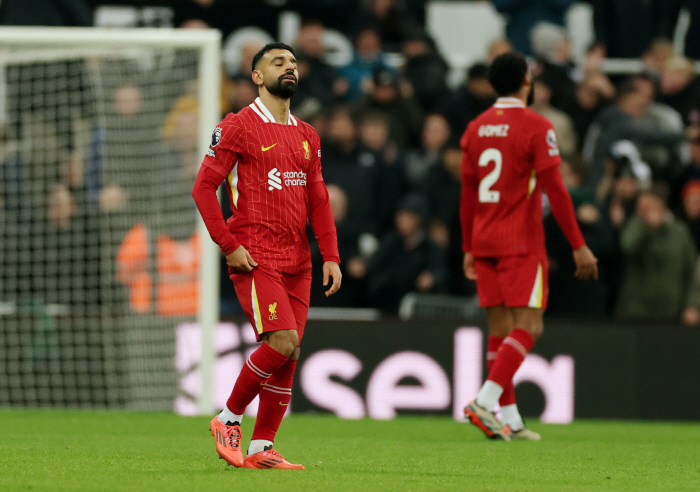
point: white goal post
(45, 45)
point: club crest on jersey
(216, 137)
(273, 311)
(552, 142)
(307, 150)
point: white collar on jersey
(265, 114)
(508, 102)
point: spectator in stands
(625, 175)
(419, 162)
(562, 122)
(552, 47)
(407, 259)
(692, 37)
(469, 100)
(348, 241)
(358, 172)
(393, 98)
(377, 149)
(626, 28)
(442, 187)
(568, 297)
(691, 313)
(659, 260)
(245, 59)
(655, 57)
(76, 13)
(523, 15)
(627, 119)
(389, 19)
(692, 169)
(680, 88)
(367, 59)
(690, 198)
(497, 47)
(317, 79)
(593, 93)
(243, 93)
(665, 159)
(426, 70)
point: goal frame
(208, 43)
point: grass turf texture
(115, 451)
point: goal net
(101, 136)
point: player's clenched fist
(586, 263)
(332, 270)
(240, 260)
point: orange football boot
(270, 459)
(228, 441)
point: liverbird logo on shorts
(273, 311)
(307, 150)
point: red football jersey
(268, 166)
(505, 148)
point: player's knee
(537, 330)
(295, 354)
(283, 341)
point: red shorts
(516, 281)
(273, 300)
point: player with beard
(271, 162)
(510, 155)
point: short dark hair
(269, 47)
(507, 73)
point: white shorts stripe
(537, 290)
(256, 309)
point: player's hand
(331, 269)
(468, 266)
(240, 260)
(586, 263)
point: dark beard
(531, 95)
(283, 88)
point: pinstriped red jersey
(267, 166)
(505, 148)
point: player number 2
(486, 194)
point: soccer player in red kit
(510, 154)
(271, 162)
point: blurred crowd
(390, 125)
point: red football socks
(274, 399)
(510, 355)
(254, 374)
(508, 395)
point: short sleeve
(544, 146)
(224, 148)
(315, 151)
(464, 144)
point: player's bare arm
(586, 264)
(240, 260)
(331, 271)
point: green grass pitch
(119, 451)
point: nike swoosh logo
(284, 404)
(263, 384)
(265, 149)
